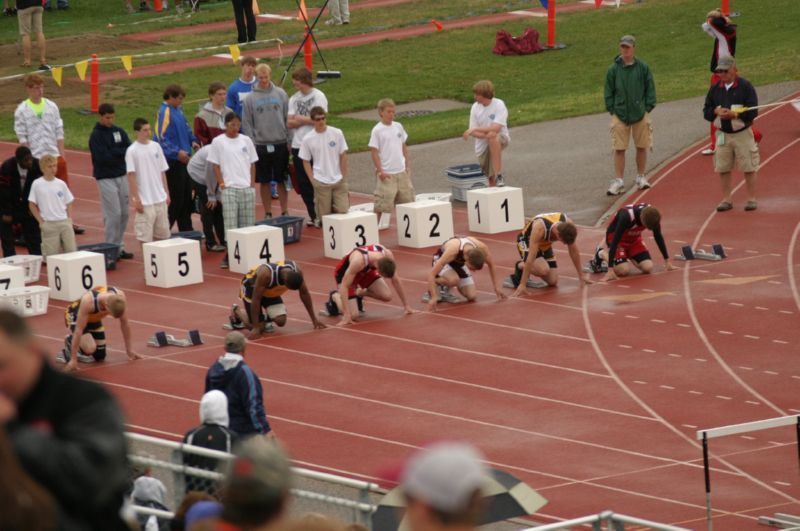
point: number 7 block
(424, 223)
(172, 263)
(493, 210)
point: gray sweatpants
(114, 199)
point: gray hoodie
(265, 113)
(214, 408)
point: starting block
(162, 339)
(717, 253)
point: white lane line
(787, 312)
(761, 308)
(776, 282)
(639, 382)
(752, 402)
(690, 426)
(658, 321)
(710, 300)
(748, 437)
(782, 483)
(745, 368)
(684, 325)
(631, 317)
(692, 392)
(609, 313)
(624, 346)
(725, 332)
(748, 336)
(780, 341)
(737, 304)
(667, 387)
(673, 355)
(771, 373)
(701, 360)
(648, 350)
(723, 397)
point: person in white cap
(443, 485)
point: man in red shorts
(362, 273)
(624, 240)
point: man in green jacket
(630, 95)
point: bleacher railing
(613, 521)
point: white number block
(172, 263)
(70, 275)
(11, 277)
(344, 231)
(424, 223)
(493, 210)
(250, 246)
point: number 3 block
(345, 231)
(172, 263)
(70, 275)
(424, 223)
(250, 246)
(493, 210)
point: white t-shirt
(389, 140)
(486, 115)
(234, 157)
(301, 104)
(52, 198)
(147, 162)
(324, 149)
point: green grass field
(539, 87)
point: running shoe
(616, 188)
(641, 182)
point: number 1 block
(424, 223)
(172, 263)
(493, 210)
(70, 275)
(250, 246)
(342, 232)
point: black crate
(109, 250)
(292, 227)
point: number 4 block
(172, 263)
(70, 275)
(493, 210)
(250, 246)
(424, 223)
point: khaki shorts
(30, 20)
(642, 132)
(485, 158)
(739, 148)
(152, 224)
(395, 190)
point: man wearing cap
(729, 105)
(630, 95)
(231, 375)
(443, 485)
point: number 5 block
(250, 246)
(172, 263)
(70, 275)
(342, 232)
(493, 210)
(424, 223)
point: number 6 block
(70, 275)
(172, 263)
(493, 210)
(424, 223)
(250, 246)
(342, 232)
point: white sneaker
(641, 182)
(616, 188)
(707, 151)
(499, 181)
(385, 221)
(332, 22)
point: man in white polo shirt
(488, 125)
(324, 154)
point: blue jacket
(173, 131)
(231, 375)
(108, 146)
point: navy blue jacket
(233, 377)
(108, 146)
(741, 93)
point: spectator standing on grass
(213, 433)
(29, 18)
(245, 20)
(209, 196)
(488, 125)
(720, 29)
(16, 177)
(324, 155)
(392, 168)
(210, 121)
(630, 95)
(340, 12)
(231, 375)
(176, 139)
(233, 158)
(147, 180)
(50, 202)
(300, 104)
(108, 144)
(264, 116)
(67, 432)
(725, 106)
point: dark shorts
(548, 255)
(273, 163)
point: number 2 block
(493, 210)
(172, 263)
(250, 246)
(424, 223)
(70, 275)
(342, 232)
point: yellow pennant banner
(80, 67)
(57, 72)
(127, 62)
(235, 53)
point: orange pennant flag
(437, 24)
(80, 67)
(57, 72)
(302, 15)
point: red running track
(592, 396)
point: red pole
(307, 54)
(551, 23)
(157, 6)
(95, 84)
(726, 7)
